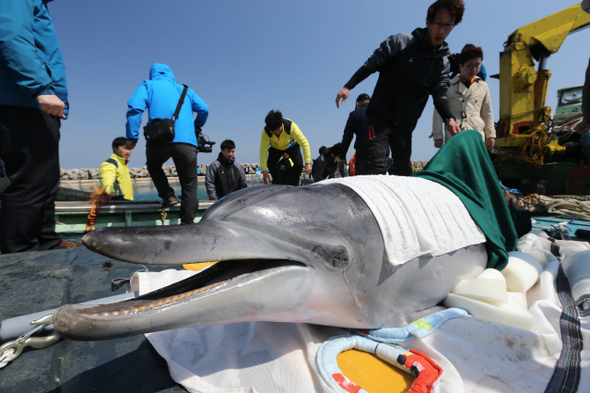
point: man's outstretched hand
(342, 95)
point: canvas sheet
(476, 355)
(431, 219)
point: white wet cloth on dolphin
(477, 356)
(431, 219)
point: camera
(205, 145)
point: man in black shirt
(357, 125)
(411, 67)
(224, 176)
(584, 126)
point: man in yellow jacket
(114, 174)
(282, 140)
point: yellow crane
(529, 155)
(523, 89)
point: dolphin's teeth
(155, 304)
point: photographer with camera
(165, 99)
(203, 145)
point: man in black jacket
(330, 164)
(411, 67)
(357, 125)
(584, 126)
(224, 176)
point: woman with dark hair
(469, 99)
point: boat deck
(576, 228)
(71, 216)
(39, 281)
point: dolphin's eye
(336, 257)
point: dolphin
(311, 254)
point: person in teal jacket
(160, 95)
(33, 101)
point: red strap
(428, 372)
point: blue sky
(245, 58)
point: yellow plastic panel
(198, 266)
(373, 374)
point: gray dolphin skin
(287, 254)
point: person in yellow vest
(283, 140)
(114, 174)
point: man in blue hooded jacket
(33, 99)
(160, 95)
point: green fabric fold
(463, 165)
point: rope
(98, 198)
(568, 206)
(567, 124)
(532, 148)
(576, 197)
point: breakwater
(139, 173)
(169, 170)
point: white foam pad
(522, 271)
(489, 286)
(510, 314)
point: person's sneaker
(168, 202)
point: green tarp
(463, 165)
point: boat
(71, 216)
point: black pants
(360, 164)
(384, 137)
(29, 146)
(185, 159)
(289, 176)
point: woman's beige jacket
(472, 108)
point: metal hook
(28, 340)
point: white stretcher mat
(477, 356)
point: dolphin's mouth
(218, 277)
(234, 271)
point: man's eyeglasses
(472, 66)
(443, 26)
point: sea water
(146, 191)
